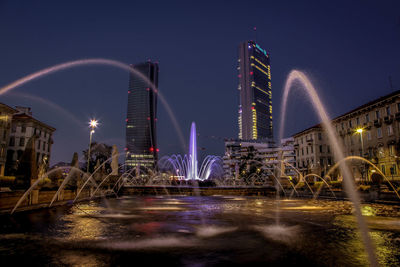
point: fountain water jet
(22, 198)
(94, 61)
(323, 180)
(299, 76)
(367, 161)
(187, 167)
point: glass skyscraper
(141, 134)
(255, 103)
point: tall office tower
(141, 138)
(255, 104)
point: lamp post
(92, 124)
(360, 132)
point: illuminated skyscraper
(141, 138)
(255, 105)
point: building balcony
(388, 119)
(397, 116)
(378, 123)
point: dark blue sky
(349, 48)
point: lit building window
(379, 132)
(390, 130)
(377, 114)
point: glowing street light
(92, 124)
(360, 132)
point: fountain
(186, 168)
(299, 76)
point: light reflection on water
(186, 229)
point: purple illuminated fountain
(186, 167)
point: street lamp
(92, 124)
(360, 132)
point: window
(377, 114)
(350, 124)
(369, 135)
(302, 151)
(358, 121)
(319, 136)
(329, 149)
(388, 111)
(13, 128)
(44, 145)
(329, 161)
(389, 130)
(23, 129)
(367, 118)
(383, 169)
(4, 134)
(22, 141)
(321, 161)
(12, 141)
(312, 149)
(307, 150)
(320, 149)
(379, 132)
(38, 144)
(393, 169)
(342, 126)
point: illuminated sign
(262, 50)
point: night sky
(349, 49)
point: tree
(98, 152)
(27, 166)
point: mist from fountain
(299, 76)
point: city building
(371, 131)
(313, 152)
(255, 103)
(23, 127)
(141, 118)
(6, 114)
(243, 158)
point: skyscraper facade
(141, 130)
(255, 103)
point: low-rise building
(370, 131)
(23, 127)
(244, 158)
